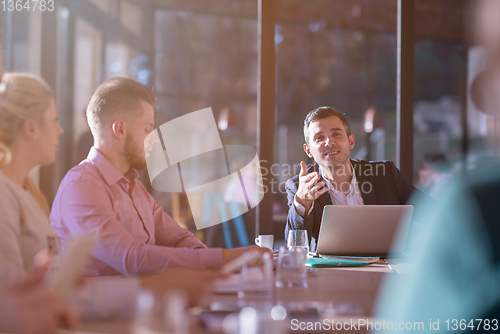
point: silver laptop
(364, 230)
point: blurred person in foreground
(29, 136)
(102, 197)
(456, 271)
(28, 307)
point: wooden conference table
(351, 286)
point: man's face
(137, 132)
(328, 142)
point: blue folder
(322, 262)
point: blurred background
(197, 54)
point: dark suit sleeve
(404, 187)
(407, 194)
(294, 220)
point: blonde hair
(117, 96)
(23, 97)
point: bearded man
(101, 195)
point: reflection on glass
(334, 53)
(227, 178)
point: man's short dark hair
(322, 113)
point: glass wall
(193, 54)
(199, 54)
(208, 59)
(333, 53)
(441, 74)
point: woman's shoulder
(14, 199)
(10, 199)
(8, 189)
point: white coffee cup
(265, 241)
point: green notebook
(322, 262)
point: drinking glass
(257, 281)
(161, 313)
(298, 238)
(292, 271)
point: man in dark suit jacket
(336, 178)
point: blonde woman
(29, 136)
(24, 229)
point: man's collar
(317, 168)
(108, 171)
(353, 183)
